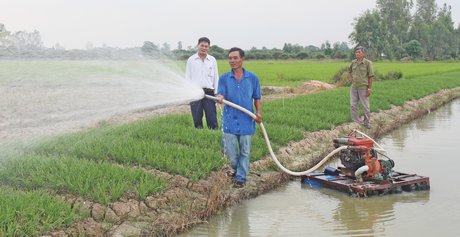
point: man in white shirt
(201, 69)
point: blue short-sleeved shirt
(242, 93)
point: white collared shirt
(202, 72)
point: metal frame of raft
(397, 183)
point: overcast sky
(242, 23)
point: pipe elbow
(360, 171)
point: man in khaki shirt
(361, 74)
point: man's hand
(220, 99)
(258, 118)
(368, 92)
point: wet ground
(427, 146)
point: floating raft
(397, 183)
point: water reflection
(233, 222)
(370, 216)
(422, 126)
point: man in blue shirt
(242, 88)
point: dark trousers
(209, 108)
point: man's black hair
(360, 48)
(204, 39)
(237, 49)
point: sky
(241, 23)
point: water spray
(267, 141)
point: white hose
(380, 147)
(267, 141)
(361, 170)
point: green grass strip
(296, 72)
(32, 213)
(170, 144)
(101, 181)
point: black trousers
(209, 108)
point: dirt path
(185, 204)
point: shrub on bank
(341, 77)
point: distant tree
(367, 33)
(339, 50)
(217, 52)
(3, 35)
(326, 47)
(312, 48)
(320, 56)
(179, 45)
(457, 42)
(426, 11)
(292, 48)
(395, 22)
(413, 48)
(149, 49)
(278, 54)
(302, 55)
(422, 25)
(389, 30)
(287, 47)
(339, 55)
(23, 41)
(443, 34)
(343, 46)
(166, 49)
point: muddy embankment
(185, 204)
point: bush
(389, 76)
(320, 56)
(341, 77)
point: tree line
(289, 51)
(23, 44)
(393, 30)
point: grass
(99, 181)
(418, 69)
(33, 213)
(294, 73)
(169, 144)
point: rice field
(294, 73)
(104, 164)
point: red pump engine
(361, 152)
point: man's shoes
(229, 171)
(237, 184)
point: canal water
(428, 146)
